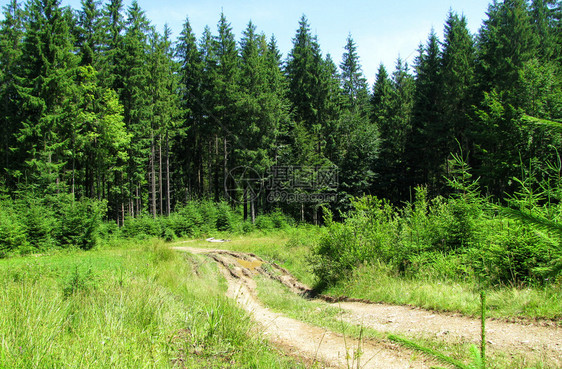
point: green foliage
(78, 282)
(80, 222)
(52, 222)
(454, 239)
(12, 229)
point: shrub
(12, 230)
(225, 217)
(79, 222)
(40, 224)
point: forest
(106, 119)
(124, 152)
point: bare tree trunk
(315, 215)
(168, 205)
(253, 210)
(225, 161)
(152, 175)
(210, 168)
(217, 169)
(160, 174)
(138, 201)
(73, 174)
(245, 200)
(117, 214)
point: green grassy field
(291, 249)
(375, 283)
(147, 307)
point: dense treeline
(99, 105)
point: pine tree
(354, 84)
(90, 36)
(393, 110)
(506, 41)
(133, 70)
(45, 82)
(189, 147)
(226, 95)
(427, 143)
(459, 83)
(11, 38)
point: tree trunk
(160, 192)
(225, 162)
(245, 200)
(253, 210)
(153, 176)
(217, 169)
(168, 205)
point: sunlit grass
(329, 316)
(289, 248)
(144, 308)
(375, 283)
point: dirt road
(334, 350)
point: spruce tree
(101, 148)
(45, 82)
(354, 84)
(544, 24)
(210, 123)
(164, 117)
(393, 110)
(226, 87)
(11, 38)
(380, 99)
(133, 71)
(303, 69)
(90, 35)
(112, 44)
(505, 42)
(189, 147)
(427, 143)
(458, 83)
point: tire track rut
(529, 341)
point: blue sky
(382, 30)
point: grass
(376, 283)
(318, 313)
(124, 308)
(290, 248)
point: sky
(382, 30)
